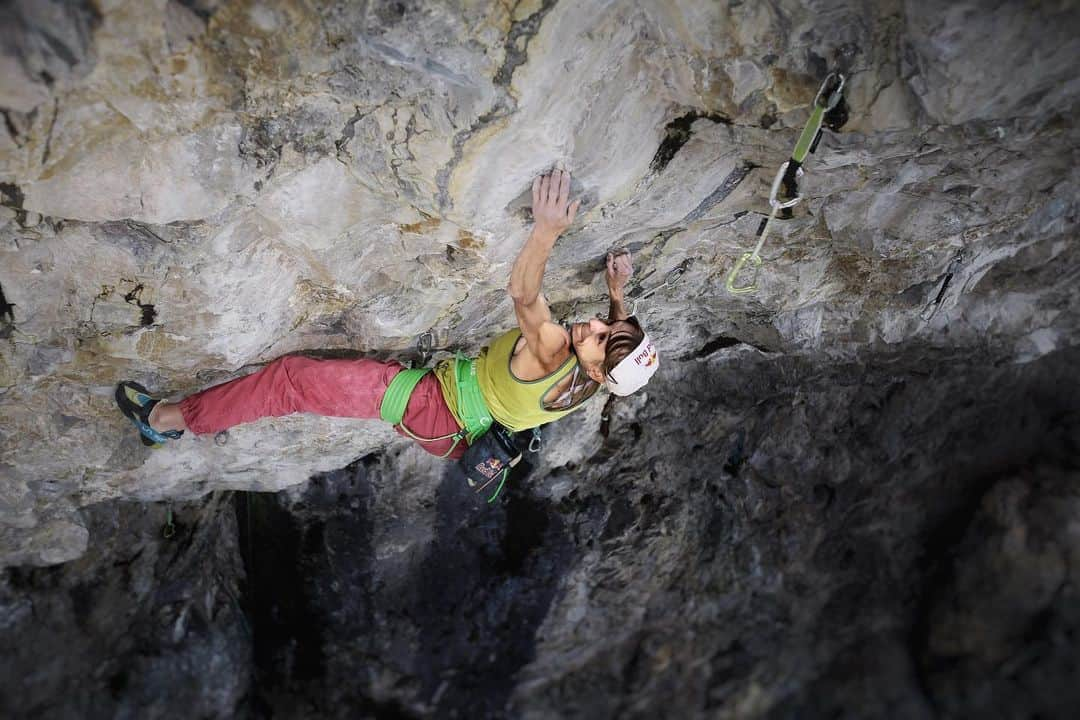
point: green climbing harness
(827, 100)
(471, 406)
(396, 399)
(491, 452)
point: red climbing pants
(336, 388)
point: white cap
(634, 370)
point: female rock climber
(531, 375)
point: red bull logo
(647, 357)
(489, 468)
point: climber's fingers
(564, 187)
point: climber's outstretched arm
(619, 270)
(553, 213)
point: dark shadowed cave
(932, 579)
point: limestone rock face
(192, 188)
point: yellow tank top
(517, 404)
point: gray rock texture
(850, 492)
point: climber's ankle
(167, 416)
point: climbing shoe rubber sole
(136, 403)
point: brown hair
(618, 348)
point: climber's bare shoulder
(528, 364)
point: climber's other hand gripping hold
(618, 273)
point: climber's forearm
(616, 305)
(619, 270)
(527, 274)
(552, 213)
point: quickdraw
(670, 280)
(827, 101)
(425, 344)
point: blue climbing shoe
(136, 403)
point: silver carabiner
(534, 443)
(834, 96)
(773, 202)
(424, 344)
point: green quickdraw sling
(826, 101)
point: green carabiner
(733, 275)
(169, 529)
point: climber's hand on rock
(552, 209)
(619, 270)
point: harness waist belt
(471, 406)
(396, 397)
